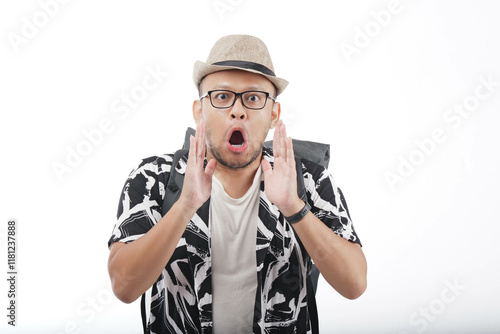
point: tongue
(236, 138)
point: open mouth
(237, 142)
(236, 139)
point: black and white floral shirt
(181, 300)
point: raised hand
(281, 182)
(197, 181)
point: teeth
(240, 145)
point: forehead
(236, 80)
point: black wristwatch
(299, 215)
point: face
(235, 135)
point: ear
(197, 111)
(275, 114)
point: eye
(252, 97)
(221, 96)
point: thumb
(210, 168)
(266, 168)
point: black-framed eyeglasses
(224, 99)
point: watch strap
(299, 215)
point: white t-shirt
(234, 264)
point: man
(233, 253)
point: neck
(236, 182)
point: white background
(437, 226)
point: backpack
(312, 151)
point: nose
(238, 111)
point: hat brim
(202, 69)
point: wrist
(295, 218)
(186, 208)
(293, 208)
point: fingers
(200, 140)
(278, 143)
(282, 145)
(289, 151)
(276, 140)
(192, 148)
(282, 141)
(197, 146)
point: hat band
(246, 64)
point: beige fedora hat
(239, 52)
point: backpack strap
(301, 188)
(316, 152)
(145, 325)
(311, 305)
(174, 185)
(312, 278)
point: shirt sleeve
(139, 208)
(327, 201)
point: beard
(233, 164)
